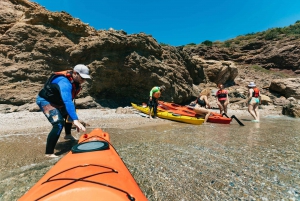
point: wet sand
(170, 161)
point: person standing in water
(56, 102)
(222, 98)
(155, 93)
(253, 101)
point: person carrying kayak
(254, 100)
(56, 102)
(155, 93)
(222, 99)
(202, 104)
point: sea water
(176, 161)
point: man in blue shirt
(56, 102)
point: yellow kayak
(170, 115)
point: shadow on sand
(246, 119)
(65, 147)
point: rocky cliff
(277, 53)
(35, 42)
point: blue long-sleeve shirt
(66, 95)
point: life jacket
(51, 91)
(222, 94)
(156, 94)
(255, 92)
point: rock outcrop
(287, 87)
(217, 71)
(280, 54)
(35, 42)
(292, 108)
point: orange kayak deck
(187, 111)
(93, 170)
(177, 109)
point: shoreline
(103, 118)
(100, 118)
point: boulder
(217, 71)
(280, 101)
(289, 87)
(86, 102)
(292, 109)
(265, 100)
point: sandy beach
(101, 118)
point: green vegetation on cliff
(292, 31)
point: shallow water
(258, 161)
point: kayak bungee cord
(84, 179)
(78, 166)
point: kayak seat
(90, 146)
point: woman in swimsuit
(222, 99)
(253, 101)
(202, 103)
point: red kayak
(219, 120)
(189, 111)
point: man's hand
(78, 125)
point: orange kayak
(92, 170)
(187, 111)
(177, 109)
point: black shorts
(153, 102)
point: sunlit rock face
(35, 42)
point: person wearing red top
(254, 100)
(222, 99)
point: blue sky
(182, 22)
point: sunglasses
(80, 77)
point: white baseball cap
(251, 84)
(83, 71)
